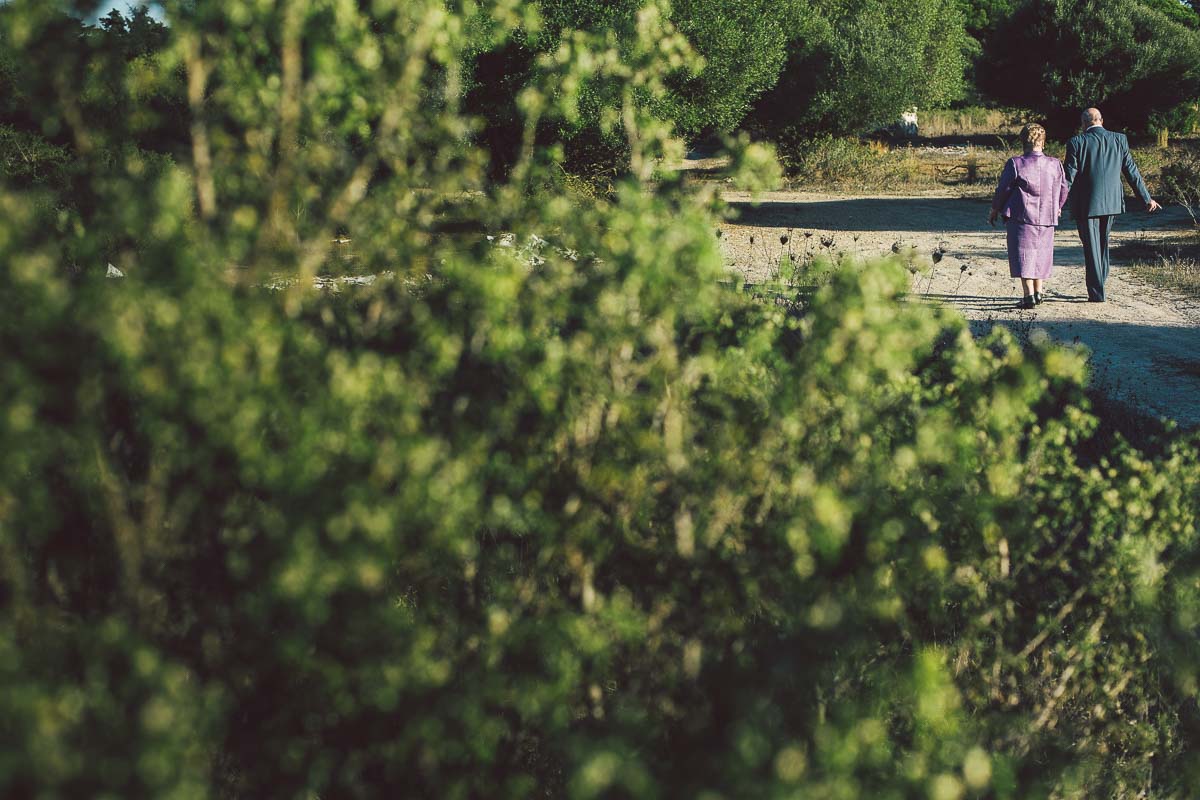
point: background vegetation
(1060, 56)
(569, 517)
(865, 63)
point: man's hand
(992, 217)
(1153, 207)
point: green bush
(1174, 10)
(1128, 59)
(744, 47)
(848, 162)
(739, 49)
(981, 16)
(560, 519)
(859, 63)
(93, 104)
(27, 160)
(115, 84)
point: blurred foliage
(1058, 57)
(859, 63)
(563, 518)
(112, 101)
(118, 87)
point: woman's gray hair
(1033, 136)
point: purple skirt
(1030, 250)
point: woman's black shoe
(1027, 302)
(1037, 298)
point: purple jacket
(1032, 190)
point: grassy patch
(971, 165)
(1172, 264)
(882, 166)
(972, 121)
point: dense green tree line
(566, 518)
(785, 70)
(1060, 56)
(864, 64)
(115, 96)
(981, 16)
(806, 67)
(1181, 11)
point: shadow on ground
(1149, 367)
(909, 214)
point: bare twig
(1057, 554)
(289, 114)
(397, 105)
(1067, 608)
(1075, 656)
(197, 82)
(125, 531)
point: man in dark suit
(1096, 160)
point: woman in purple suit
(1030, 197)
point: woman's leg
(1037, 285)
(1017, 236)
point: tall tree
(982, 16)
(1060, 56)
(741, 45)
(1176, 10)
(859, 63)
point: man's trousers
(1093, 232)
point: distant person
(1096, 159)
(1030, 197)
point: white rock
(113, 272)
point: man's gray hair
(1092, 116)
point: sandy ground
(1145, 342)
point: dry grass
(883, 167)
(971, 122)
(1178, 274)
(1173, 264)
(878, 166)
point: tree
(858, 64)
(740, 48)
(744, 47)
(1129, 60)
(1176, 11)
(981, 16)
(115, 97)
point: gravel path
(1145, 342)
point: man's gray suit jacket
(1096, 160)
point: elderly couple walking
(1034, 187)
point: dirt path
(1145, 342)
